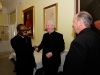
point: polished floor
(6, 65)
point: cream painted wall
(65, 18)
(3, 18)
(13, 17)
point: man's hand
(49, 54)
(36, 48)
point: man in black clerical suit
(84, 53)
(52, 45)
(21, 43)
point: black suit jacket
(24, 52)
(54, 43)
(83, 57)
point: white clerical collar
(21, 35)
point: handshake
(36, 48)
(48, 55)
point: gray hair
(86, 17)
(52, 23)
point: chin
(24, 34)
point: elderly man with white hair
(52, 45)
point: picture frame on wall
(28, 17)
(83, 5)
(77, 2)
(51, 13)
(93, 8)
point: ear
(80, 22)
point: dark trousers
(24, 72)
(51, 70)
(24, 69)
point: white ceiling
(10, 5)
(6, 3)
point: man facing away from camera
(83, 57)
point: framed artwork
(51, 13)
(28, 17)
(77, 6)
(91, 6)
(82, 5)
